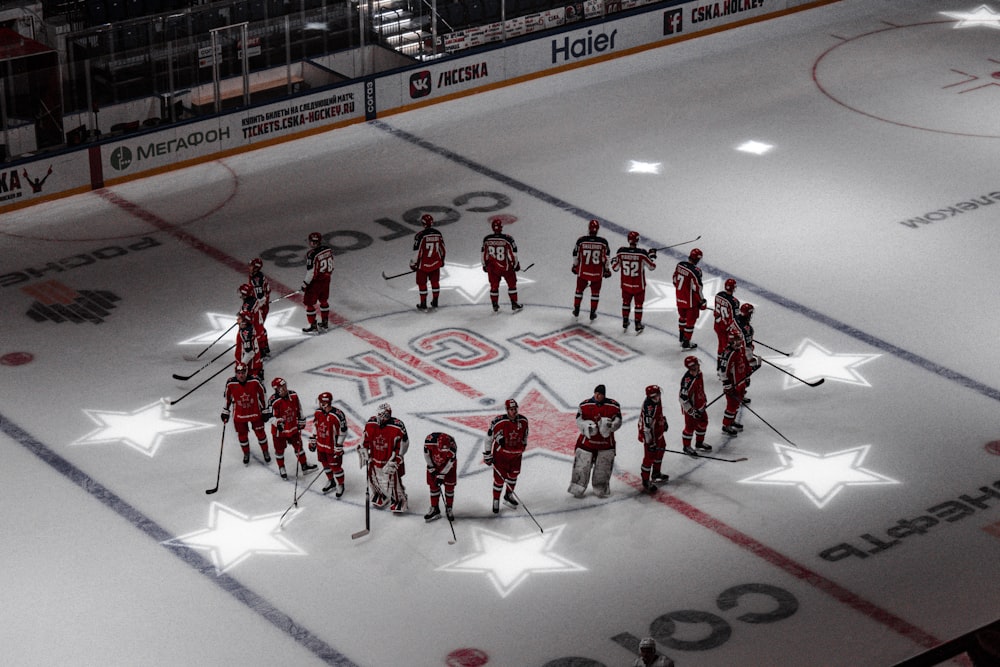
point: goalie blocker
(597, 418)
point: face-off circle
(16, 358)
(467, 657)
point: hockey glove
(488, 458)
(413, 266)
(607, 272)
(225, 416)
(312, 444)
(390, 468)
(268, 414)
(652, 253)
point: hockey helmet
(695, 255)
(325, 397)
(730, 285)
(277, 383)
(691, 362)
(746, 310)
(496, 224)
(653, 390)
(384, 412)
(241, 368)
(427, 220)
(593, 226)
(315, 239)
(510, 404)
(246, 289)
(633, 238)
(256, 264)
(647, 643)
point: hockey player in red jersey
(287, 427)
(247, 350)
(591, 264)
(688, 286)
(694, 407)
(316, 284)
(261, 286)
(726, 307)
(382, 453)
(506, 440)
(632, 261)
(652, 434)
(245, 397)
(499, 255)
(734, 372)
(441, 455)
(428, 243)
(250, 305)
(329, 434)
(597, 418)
(743, 318)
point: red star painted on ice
(552, 428)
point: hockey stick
(527, 267)
(811, 384)
(218, 473)
(212, 344)
(703, 456)
(397, 275)
(677, 244)
(284, 296)
(518, 498)
(368, 495)
(451, 523)
(185, 378)
(754, 412)
(167, 401)
(787, 354)
(295, 501)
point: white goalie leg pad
(604, 464)
(582, 462)
(397, 493)
(379, 482)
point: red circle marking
(993, 447)
(467, 657)
(16, 358)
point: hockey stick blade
(360, 533)
(211, 491)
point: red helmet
(730, 285)
(246, 289)
(496, 224)
(510, 403)
(695, 255)
(633, 238)
(325, 397)
(593, 226)
(427, 220)
(241, 367)
(278, 382)
(691, 362)
(653, 390)
(315, 239)
(256, 264)
(746, 310)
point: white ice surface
(95, 570)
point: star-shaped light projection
(470, 281)
(812, 361)
(661, 296)
(820, 476)
(509, 561)
(755, 147)
(232, 537)
(980, 16)
(639, 167)
(276, 325)
(143, 429)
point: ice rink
(863, 527)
